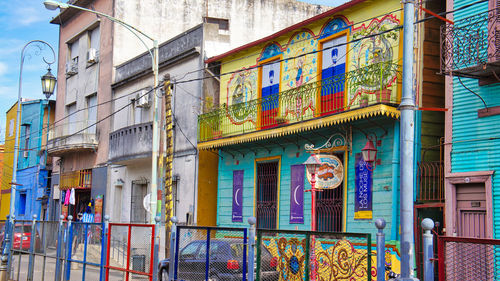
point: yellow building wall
(8, 161)
(300, 49)
(207, 188)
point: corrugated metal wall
(476, 140)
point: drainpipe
(395, 183)
(407, 109)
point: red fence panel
(138, 241)
(465, 259)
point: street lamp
(48, 84)
(369, 153)
(312, 165)
(155, 207)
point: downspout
(395, 183)
(418, 149)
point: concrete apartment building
(94, 57)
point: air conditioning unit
(142, 99)
(71, 67)
(92, 55)
(25, 153)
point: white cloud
(28, 15)
(3, 68)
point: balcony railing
(430, 182)
(131, 142)
(72, 136)
(76, 179)
(376, 83)
(471, 47)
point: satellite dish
(146, 203)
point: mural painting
(335, 259)
(290, 79)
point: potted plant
(383, 95)
(281, 120)
(363, 100)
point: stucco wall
(248, 20)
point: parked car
(226, 259)
(22, 233)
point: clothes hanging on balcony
(72, 197)
(66, 198)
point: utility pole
(407, 139)
(168, 159)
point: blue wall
(32, 115)
(382, 182)
(33, 188)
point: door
(187, 259)
(329, 206)
(267, 194)
(471, 210)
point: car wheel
(164, 274)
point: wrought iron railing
(470, 44)
(373, 84)
(430, 182)
(76, 179)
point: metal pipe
(407, 108)
(395, 183)
(251, 249)
(428, 247)
(380, 224)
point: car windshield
(22, 229)
(237, 250)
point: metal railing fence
(211, 253)
(468, 259)
(306, 255)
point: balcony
(131, 142)
(81, 179)
(72, 137)
(471, 47)
(430, 182)
(350, 96)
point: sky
(22, 21)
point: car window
(237, 250)
(202, 252)
(189, 251)
(22, 229)
(214, 249)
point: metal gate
(210, 253)
(267, 194)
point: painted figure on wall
(332, 74)
(270, 93)
(241, 89)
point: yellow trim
(347, 116)
(364, 215)
(278, 188)
(259, 85)
(320, 66)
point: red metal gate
(138, 241)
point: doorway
(267, 194)
(471, 210)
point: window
(137, 212)
(71, 113)
(333, 58)
(26, 140)
(22, 204)
(91, 113)
(270, 75)
(94, 38)
(73, 51)
(223, 23)
(11, 127)
(190, 251)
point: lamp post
(155, 207)
(48, 84)
(312, 165)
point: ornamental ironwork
(471, 47)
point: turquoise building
(33, 167)
(472, 161)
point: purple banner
(297, 194)
(238, 196)
(363, 186)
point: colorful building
(8, 160)
(330, 85)
(472, 163)
(33, 166)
